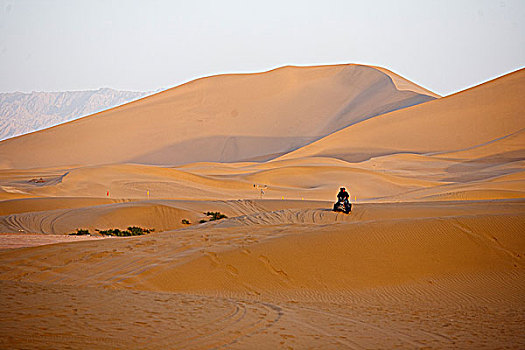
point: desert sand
(430, 257)
(228, 118)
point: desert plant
(216, 215)
(137, 231)
(131, 231)
(80, 232)
(186, 222)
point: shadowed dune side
(326, 179)
(225, 115)
(471, 118)
(506, 186)
(492, 177)
(505, 149)
(227, 149)
(405, 84)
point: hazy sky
(442, 45)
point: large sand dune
(488, 113)
(221, 118)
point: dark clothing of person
(342, 196)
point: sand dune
(504, 149)
(471, 118)
(405, 84)
(487, 230)
(161, 215)
(345, 258)
(412, 153)
(25, 205)
(430, 257)
(165, 215)
(299, 282)
(221, 118)
(394, 177)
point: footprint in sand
(213, 257)
(232, 270)
(272, 269)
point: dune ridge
(471, 118)
(221, 118)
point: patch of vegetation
(80, 232)
(215, 215)
(186, 222)
(131, 231)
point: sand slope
(160, 215)
(385, 244)
(394, 275)
(481, 115)
(430, 257)
(221, 118)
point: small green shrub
(131, 231)
(80, 232)
(137, 231)
(216, 215)
(186, 222)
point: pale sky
(443, 45)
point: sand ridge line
(492, 241)
(225, 118)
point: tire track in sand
(249, 318)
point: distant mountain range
(22, 113)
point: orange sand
(430, 257)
